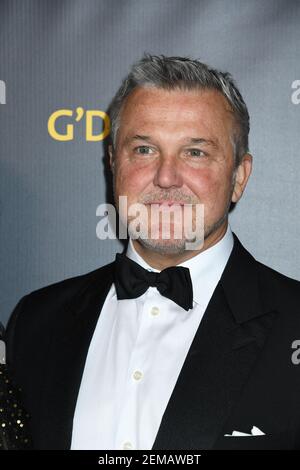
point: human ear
(111, 158)
(242, 174)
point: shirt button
(154, 311)
(127, 445)
(137, 375)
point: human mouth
(166, 203)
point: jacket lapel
(224, 351)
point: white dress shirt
(136, 355)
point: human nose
(168, 173)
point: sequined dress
(13, 418)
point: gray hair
(186, 74)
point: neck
(161, 261)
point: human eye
(143, 150)
(196, 153)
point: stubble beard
(178, 246)
(174, 246)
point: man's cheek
(123, 182)
(203, 184)
(129, 176)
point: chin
(167, 247)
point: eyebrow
(188, 140)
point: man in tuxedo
(167, 347)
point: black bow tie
(132, 280)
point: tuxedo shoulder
(275, 276)
(62, 290)
(45, 301)
(285, 289)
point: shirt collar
(206, 268)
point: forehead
(155, 106)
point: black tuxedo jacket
(238, 373)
